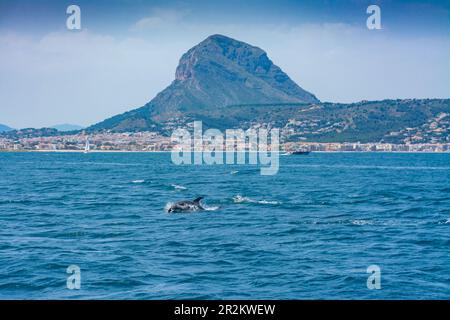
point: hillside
(5, 128)
(393, 121)
(67, 127)
(216, 73)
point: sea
(326, 226)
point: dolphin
(186, 206)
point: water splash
(361, 222)
(168, 205)
(178, 187)
(210, 208)
(241, 199)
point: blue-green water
(308, 232)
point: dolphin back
(197, 201)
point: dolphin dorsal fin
(198, 199)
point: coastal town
(151, 142)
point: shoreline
(127, 151)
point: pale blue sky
(127, 51)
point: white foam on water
(361, 222)
(234, 172)
(268, 202)
(138, 181)
(178, 187)
(240, 199)
(212, 208)
(167, 206)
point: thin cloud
(160, 17)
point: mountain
(58, 130)
(400, 121)
(227, 83)
(393, 121)
(5, 128)
(30, 133)
(217, 73)
(67, 127)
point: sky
(127, 51)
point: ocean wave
(268, 202)
(210, 208)
(168, 205)
(361, 222)
(364, 167)
(234, 172)
(138, 181)
(178, 187)
(240, 199)
(103, 163)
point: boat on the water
(87, 147)
(300, 152)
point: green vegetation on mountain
(394, 121)
(216, 73)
